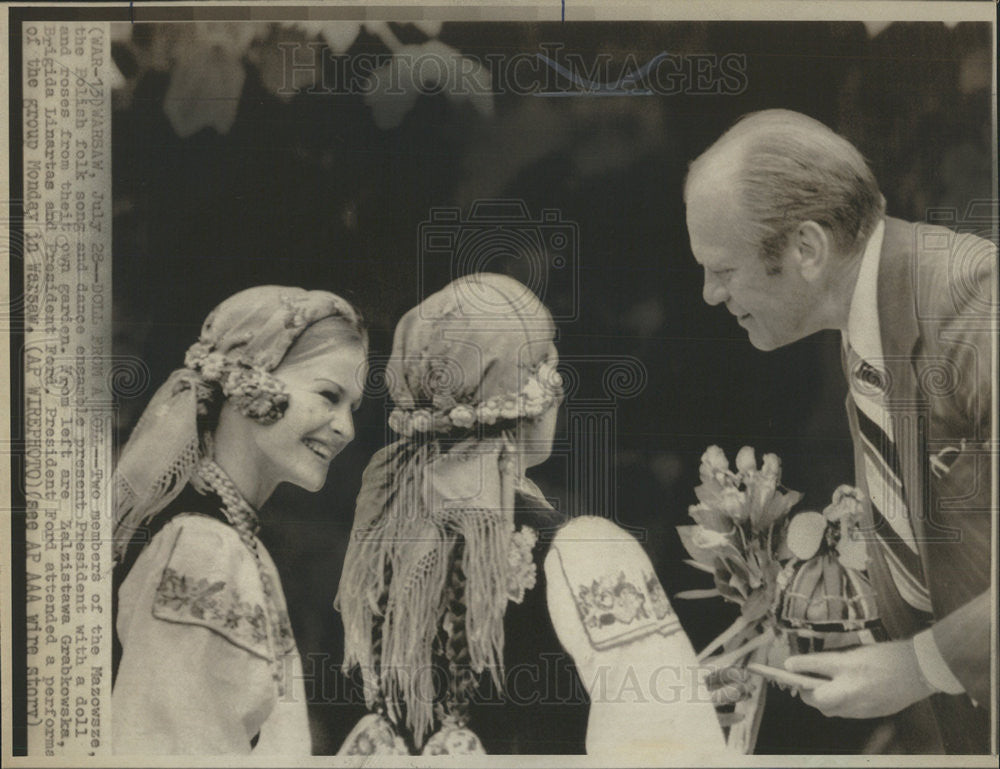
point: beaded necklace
(238, 511)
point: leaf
(429, 28)
(708, 493)
(739, 651)
(777, 508)
(204, 91)
(700, 566)
(428, 68)
(758, 604)
(783, 502)
(697, 594)
(724, 637)
(740, 584)
(340, 35)
(728, 592)
(711, 518)
(699, 554)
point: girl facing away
(443, 578)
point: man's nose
(714, 291)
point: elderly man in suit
(789, 225)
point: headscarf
(242, 341)
(466, 365)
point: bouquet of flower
(793, 578)
(739, 538)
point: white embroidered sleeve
(194, 675)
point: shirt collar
(863, 331)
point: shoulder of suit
(953, 273)
(211, 579)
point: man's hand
(866, 682)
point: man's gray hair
(790, 168)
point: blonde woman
(265, 396)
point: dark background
(311, 191)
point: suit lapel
(897, 309)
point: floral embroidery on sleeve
(281, 626)
(611, 599)
(657, 598)
(212, 604)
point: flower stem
(729, 658)
(740, 624)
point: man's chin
(764, 344)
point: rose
(533, 390)
(520, 564)
(771, 466)
(746, 460)
(549, 376)
(846, 506)
(734, 503)
(488, 412)
(710, 517)
(714, 470)
(508, 409)
(850, 496)
(714, 460)
(421, 420)
(707, 539)
(399, 422)
(462, 416)
(196, 353)
(213, 366)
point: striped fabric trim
(903, 564)
(886, 492)
(885, 487)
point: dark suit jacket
(935, 298)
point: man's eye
(722, 273)
(331, 396)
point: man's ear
(812, 249)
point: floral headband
(542, 389)
(253, 391)
(247, 336)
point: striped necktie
(885, 485)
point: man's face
(775, 310)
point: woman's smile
(323, 450)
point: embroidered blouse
(209, 663)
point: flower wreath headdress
(542, 388)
